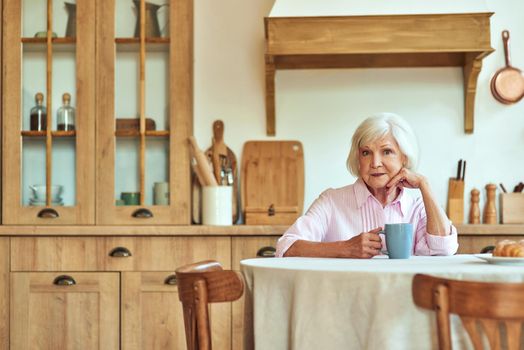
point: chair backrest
(482, 307)
(199, 284)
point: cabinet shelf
(28, 133)
(40, 44)
(150, 133)
(133, 44)
(432, 40)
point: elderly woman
(345, 222)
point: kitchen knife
(459, 169)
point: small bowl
(39, 192)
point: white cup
(217, 206)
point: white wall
(322, 108)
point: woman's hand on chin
(364, 246)
(406, 178)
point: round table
(311, 303)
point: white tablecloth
(321, 304)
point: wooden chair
(199, 284)
(480, 305)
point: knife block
(455, 209)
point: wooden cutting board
(272, 182)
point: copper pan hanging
(507, 85)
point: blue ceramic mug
(399, 240)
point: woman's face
(379, 161)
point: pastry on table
(508, 248)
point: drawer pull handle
(171, 280)
(120, 252)
(266, 252)
(48, 213)
(64, 280)
(142, 213)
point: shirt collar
(362, 195)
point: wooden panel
(164, 253)
(378, 34)
(445, 59)
(1, 110)
(483, 229)
(4, 293)
(245, 248)
(92, 254)
(152, 316)
(55, 253)
(474, 244)
(11, 112)
(180, 108)
(193, 230)
(85, 121)
(81, 316)
(105, 110)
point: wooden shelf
(133, 44)
(149, 133)
(447, 40)
(28, 133)
(506, 229)
(40, 44)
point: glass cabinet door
(49, 112)
(144, 111)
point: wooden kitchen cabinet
(40, 153)
(98, 66)
(138, 281)
(47, 313)
(133, 160)
(246, 248)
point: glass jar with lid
(65, 118)
(38, 115)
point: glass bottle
(38, 119)
(65, 117)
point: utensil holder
(217, 207)
(512, 208)
(455, 209)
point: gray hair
(376, 127)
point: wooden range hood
(373, 41)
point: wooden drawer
(94, 253)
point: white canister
(161, 193)
(217, 207)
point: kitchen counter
(192, 230)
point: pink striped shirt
(343, 213)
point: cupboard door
(144, 110)
(246, 248)
(152, 315)
(47, 313)
(48, 155)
